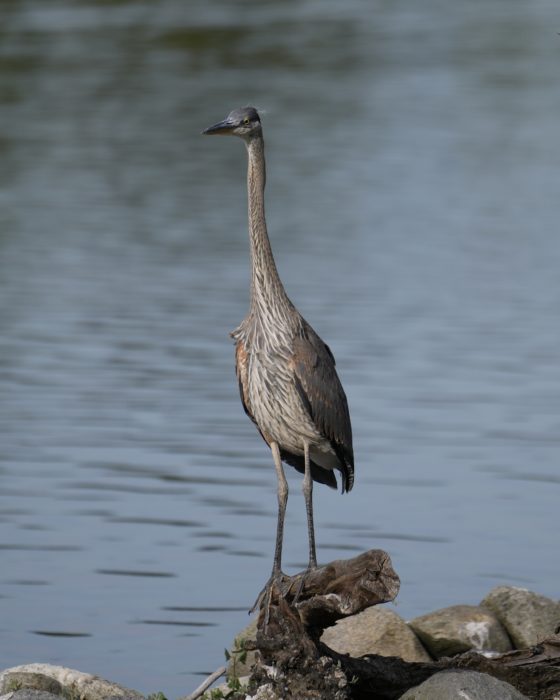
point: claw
(301, 583)
(282, 585)
(258, 602)
(264, 599)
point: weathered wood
(203, 687)
(290, 627)
(535, 672)
(312, 600)
(341, 588)
(292, 620)
(346, 587)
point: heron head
(244, 122)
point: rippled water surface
(413, 207)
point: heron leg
(276, 577)
(282, 503)
(308, 495)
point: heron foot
(301, 582)
(278, 582)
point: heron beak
(223, 127)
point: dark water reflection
(413, 204)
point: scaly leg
(276, 575)
(308, 495)
(282, 503)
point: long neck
(267, 291)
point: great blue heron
(287, 377)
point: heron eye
(245, 120)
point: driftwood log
(535, 672)
(290, 628)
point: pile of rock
(507, 618)
(47, 682)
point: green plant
(13, 685)
(238, 655)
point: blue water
(413, 207)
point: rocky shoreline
(507, 619)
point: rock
(17, 680)
(376, 630)
(29, 694)
(318, 680)
(463, 685)
(57, 680)
(528, 617)
(265, 692)
(460, 628)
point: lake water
(413, 207)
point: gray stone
(322, 679)
(265, 692)
(30, 694)
(76, 683)
(528, 617)
(463, 685)
(376, 630)
(460, 628)
(17, 680)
